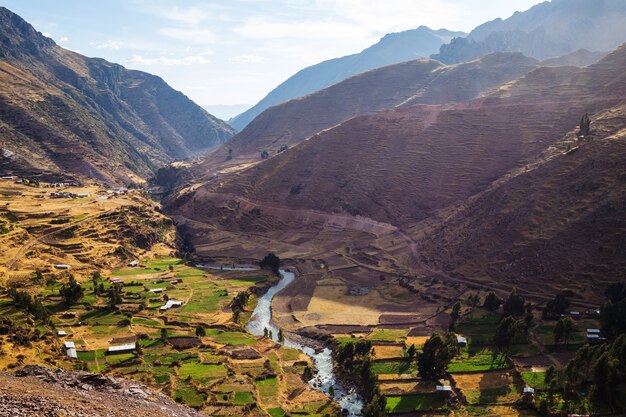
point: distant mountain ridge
(547, 30)
(63, 113)
(391, 49)
(422, 81)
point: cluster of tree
(24, 301)
(436, 355)
(72, 292)
(238, 304)
(271, 262)
(554, 308)
(283, 148)
(265, 154)
(515, 323)
(600, 369)
(354, 360)
(613, 312)
(596, 371)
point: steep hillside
(561, 220)
(421, 81)
(65, 113)
(386, 172)
(547, 30)
(579, 58)
(391, 49)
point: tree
(436, 354)
(164, 334)
(514, 304)
(563, 329)
(506, 332)
(492, 302)
(200, 331)
(72, 292)
(585, 125)
(281, 337)
(272, 262)
(115, 296)
(38, 277)
(556, 307)
(95, 279)
(410, 352)
(456, 312)
(265, 154)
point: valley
(397, 232)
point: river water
(348, 399)
(324, 377)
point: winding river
(324, 378)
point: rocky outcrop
(37, 390)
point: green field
(478, 360)
(234, 338)
(409, 403)
(201, 372)
(388, 335)
(267, 387)
(394, 367)
(243, 397)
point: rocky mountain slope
(415, 167)
(39, 391)
(413, 82)
(547, 30)
(65, 113)
(391, 49)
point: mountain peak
(18, 36)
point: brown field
(388, 351)
(399, 387)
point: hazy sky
(236, 51)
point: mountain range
(64, 114)
(391, 49)
(417, 167)
(547, 30)
(422, 81)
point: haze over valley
(434, 225)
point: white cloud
(46, 34)
(114, 45)
(64, 39)
(263, 28)
(245, 59)
(170, 62)
(190, 35)
(188, 16)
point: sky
(233, 52)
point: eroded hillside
(66, 114)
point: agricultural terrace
(485, 379)
(199, 353)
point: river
(324, 377)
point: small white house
(61, 333)
(134, 263)
(157, 290)
(72, 353)
(63, 266)
(170, 304)
(82, 195)
(461, 340)
(122, 348)
(70, 345)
